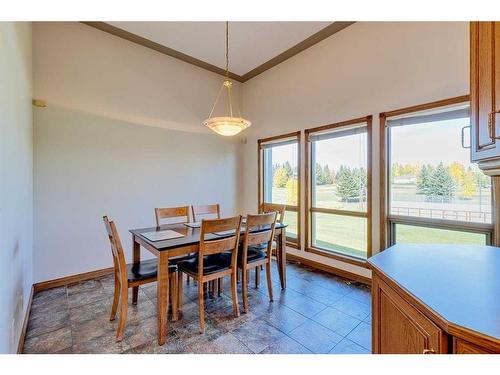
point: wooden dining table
(187, 244)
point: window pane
(280, 174)
(339, 177)
(343, 234)
(291, 220)
(431, 174)
(416, 234)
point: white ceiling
(250, 43)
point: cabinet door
(464, 347)
(399, 328)
(485, 90)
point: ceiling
(253, 46)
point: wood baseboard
(330, 269)
(22, 336)
(49, 284)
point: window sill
(360, 262)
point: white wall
(367, 68)
(109, 142)
(16, 180)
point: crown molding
(324, 33)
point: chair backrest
(172, 213)
(203, 210)
(219, 244)
(116, 249)
(270, 207)
(255, 236)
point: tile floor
(318, 313)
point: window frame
(388, 222)
(309, 210)
(292, 242)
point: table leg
(282, 257)
(162, 297)
(136, 253)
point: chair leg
(220, 282)
(238, 276)
(216, 287)
(269, 282)
(174, 294)
(123, 312)
(116, 299)
(257, 277)
(202, 308)
(135, 295)
(180, 294)
(234, 294)
(188, 278)
(244, 286)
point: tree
(468, 185)
(457, 171)
(280, 177)
(327, 175)
(288, 169)
(291, 191)
(348, 185)
(424, 179)
(320, 179)
(441, 183)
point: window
(279, 171)
(339, 191)
(434, 193)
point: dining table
(186, 244)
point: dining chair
(256, 250)
(265, 208)
(208, 211)
(201, 211)
(130, 276)
(274, 207)
(174, 215)
(217, 258)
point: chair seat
(182, 258)
(263, 246)
(211, 264)
(254, 254)
(145, 270)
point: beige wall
(365, 69)
(90, 78)
(121, 135)
(16, 180)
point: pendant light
(227, 125)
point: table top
(191, 236)
(461, 283)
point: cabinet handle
(429, 351)
(463, 136)
(491, 121)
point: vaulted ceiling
(253, 46)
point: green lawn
(347, 234)
(416, 234)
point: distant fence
(437, 213)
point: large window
(339, 198)
(434, 193)
(279, 171)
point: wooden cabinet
(485, 94)
(435, 299)
(465, 347)
(400, 328)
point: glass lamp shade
(227, 126)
